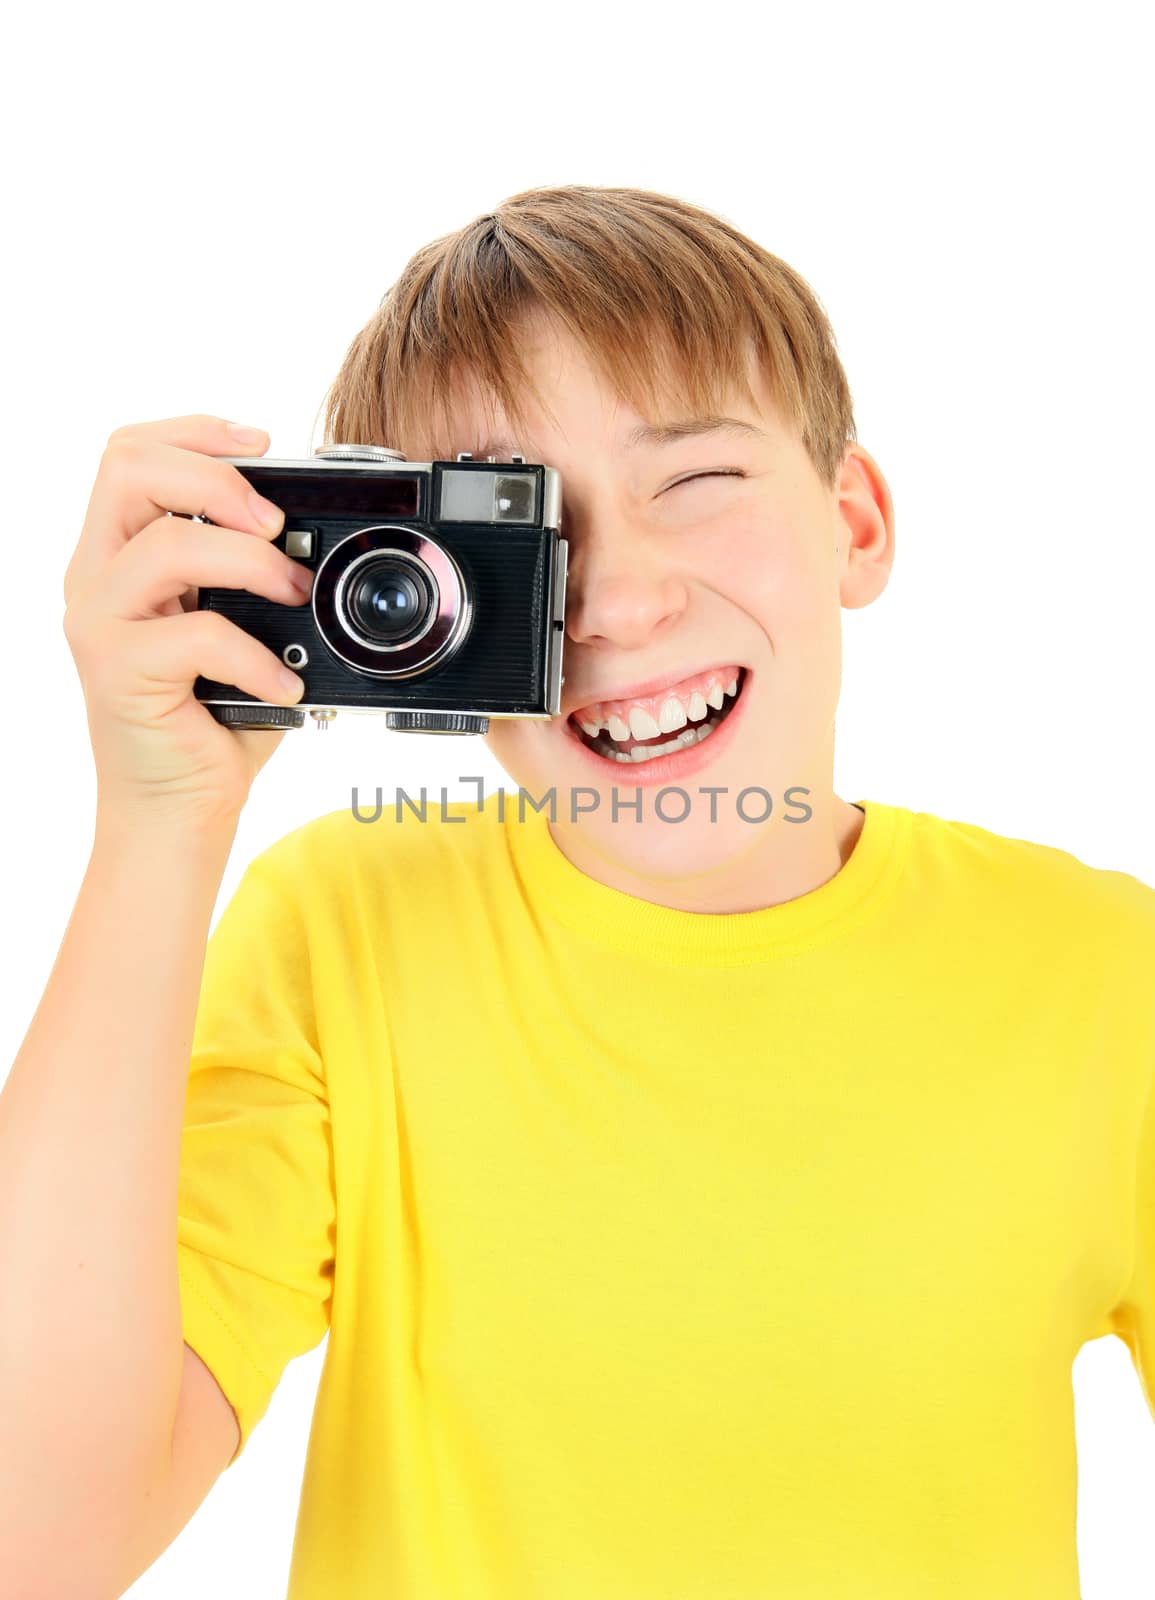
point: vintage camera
(438, 591)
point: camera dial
(360, 452)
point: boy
(696, 1207)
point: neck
(785, 860)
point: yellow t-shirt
(664, 1255)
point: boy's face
(680, 582)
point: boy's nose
(623, 605)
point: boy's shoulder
(385, 840)
(1010, 872)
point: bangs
(648, 372)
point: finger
(150, 468)
(170, 653)
(172, 554)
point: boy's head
(560, 326)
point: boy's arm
(205, 1438)
(112, 1431)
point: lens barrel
(391, 602)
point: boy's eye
(719, 472)
(730, 472)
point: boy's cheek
(519, 746)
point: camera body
(438, 591)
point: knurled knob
(435, 722)
(257, 716)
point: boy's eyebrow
(688, 428)
(653, 434)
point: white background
(203, 204)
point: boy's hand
(130, 593)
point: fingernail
(246, 435)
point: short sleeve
(1132, 1317)
(256, 1216)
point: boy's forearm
(90, 1128)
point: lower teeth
(639, 753)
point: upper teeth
(675, 712)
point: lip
(642, 691)
(679, 763)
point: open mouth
(635, 751)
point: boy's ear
(866, 534)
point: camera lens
(390, 600)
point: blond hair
(666, 299)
